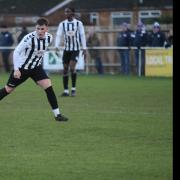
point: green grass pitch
(120, 128)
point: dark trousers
(5, 58)
(142, 60)
(99, 66)
(125, 61)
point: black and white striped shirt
(29, 52)
(74, 35)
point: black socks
(66, 78)
(73, 77)
(51, 97)
(65, 81)
(3, 93)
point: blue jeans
(125, 61)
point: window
(21, 19)
(94, 18)
(120, 17)
(18, 20)
(78, 15)
(149, 16)
(143, 14)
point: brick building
(105, 15)
(100, 13)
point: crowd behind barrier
(108, 52)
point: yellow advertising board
(159, 62)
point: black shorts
(36, 74)
(70, 56)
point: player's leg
(66, 57)
(5, 91)
(12, 84)
(73, 77)
(72, 65)
(47, 86)
(8, 88)
(65, 79)
(41, 78)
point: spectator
(157, 37)
(93, 40)
(24, 31)
(6, 40)
(124, 40)
(140, 39)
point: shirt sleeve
(82, 34)
(25, 43)
(59, 34)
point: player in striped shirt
(74, 37)
(27, 60)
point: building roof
(40, 7)
(27, 7)
(101, 4)
(97, 5)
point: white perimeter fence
(155, 59)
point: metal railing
(103, 48)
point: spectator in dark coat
(140, 39)
(124, 40)
(6, 40)
(157, 37)
(93, 40)
(24, 31)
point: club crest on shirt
(71, 33)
